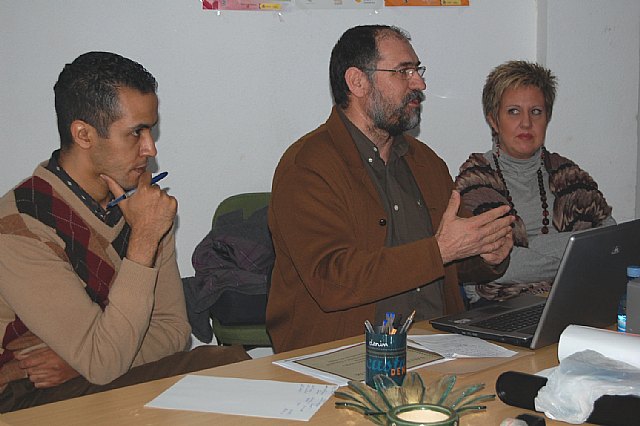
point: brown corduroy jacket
(329, 227)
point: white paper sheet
(256, 398)
(459, 346)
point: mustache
(416, 95)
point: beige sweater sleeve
(169, 328)
(144, 320)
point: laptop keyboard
(512, 321)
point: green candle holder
(393, 404)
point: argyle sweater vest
(36, 198)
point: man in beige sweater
(90, 294)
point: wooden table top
(125, 406)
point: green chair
(254, 335)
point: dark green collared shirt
(407, 220)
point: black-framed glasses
(403, 73)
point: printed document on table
(460, 346)
(256, 398)
(346, 363)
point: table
(125, 406)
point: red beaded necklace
(543, 192)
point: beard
(395, 120)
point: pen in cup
(369, 327)
(389, 321)
(407, 324)
(130, 192)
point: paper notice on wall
(426, 2)
(339, 4)
(252, 5)
(282, 5)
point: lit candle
(422, 416)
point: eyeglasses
(404, 73)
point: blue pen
(390, 317)
(130, 192)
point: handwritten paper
(255, 398)
(459, 346)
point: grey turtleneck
(540, 261)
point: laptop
(591, 278)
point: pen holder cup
(385, 354)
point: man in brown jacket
(363, 216)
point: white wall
(239, 87)
(593, 47)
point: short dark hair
(87, 90)
(357, 47)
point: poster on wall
(338, 4)
(426, 2)
(282, 5)
(255, 5)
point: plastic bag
(579, 380)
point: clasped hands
(488, 235)
(44, 367)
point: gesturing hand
(488, 234)
(502, 250)
(45, 368)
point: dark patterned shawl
(578, 203)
